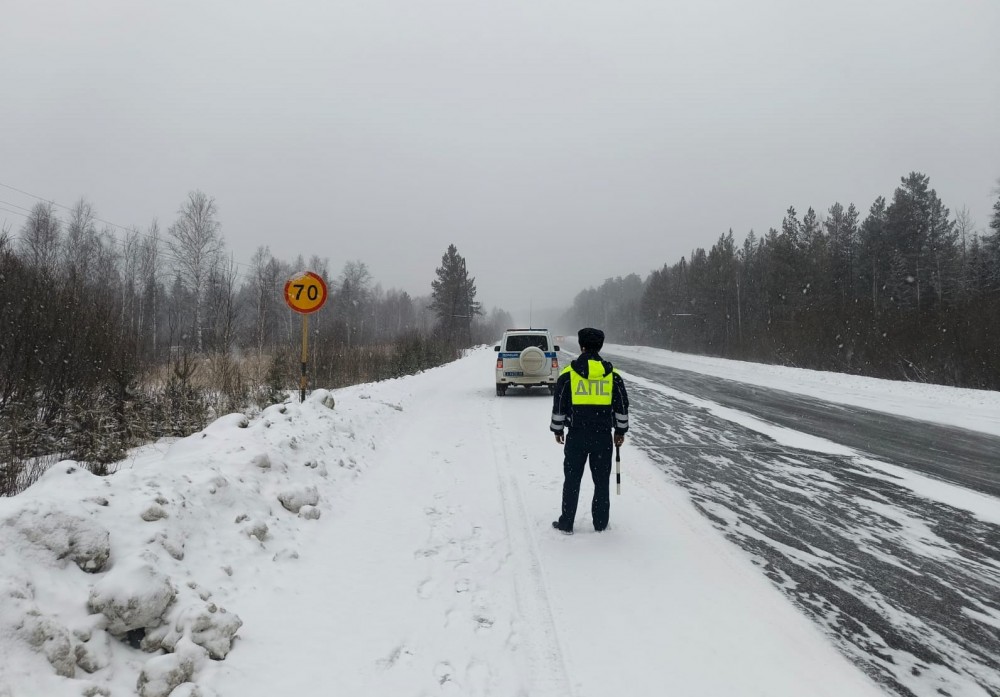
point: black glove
(619, 439)
(560, 438)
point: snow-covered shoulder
(114, 584)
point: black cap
(591, 338)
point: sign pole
(305, 294)
(305, 357)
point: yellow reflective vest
(593, 390)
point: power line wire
(14, 205)
(65, 207)
(7, 210)
(123, 243)
(128, 230)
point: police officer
(590, 399)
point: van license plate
(513, 373)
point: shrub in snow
(309, 512)
(132, 596)
(153, 512)
(80, 539)
(204, 624)
(295, 499)
(162, 674)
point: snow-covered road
(431, 569)
(439, 573)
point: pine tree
(920, 232)
(453, 297)
(992, 244)
(842, 230)
(809, 230)
(873, 253)
(791, 228)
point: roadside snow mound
(76, 538)
(132, 582)
(21, 619)
(132, 596)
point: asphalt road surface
(907, 587)
(969, 458)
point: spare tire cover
(533, 361)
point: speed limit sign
(305, 293)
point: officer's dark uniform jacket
(590, 399)
(581, 398)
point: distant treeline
(108, 340)
(908, 292)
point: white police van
(526, 357)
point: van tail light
(555, 363)
(499, 364)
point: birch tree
(264, 275)
(150, 270)
(40, 236)
(196, 246)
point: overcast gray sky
(555, 142)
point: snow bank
(126, 584)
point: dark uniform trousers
(582, 443)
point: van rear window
(523, 341)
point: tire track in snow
(443, 625)
(549, 676)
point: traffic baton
(618, 470)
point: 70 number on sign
(312, 292)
